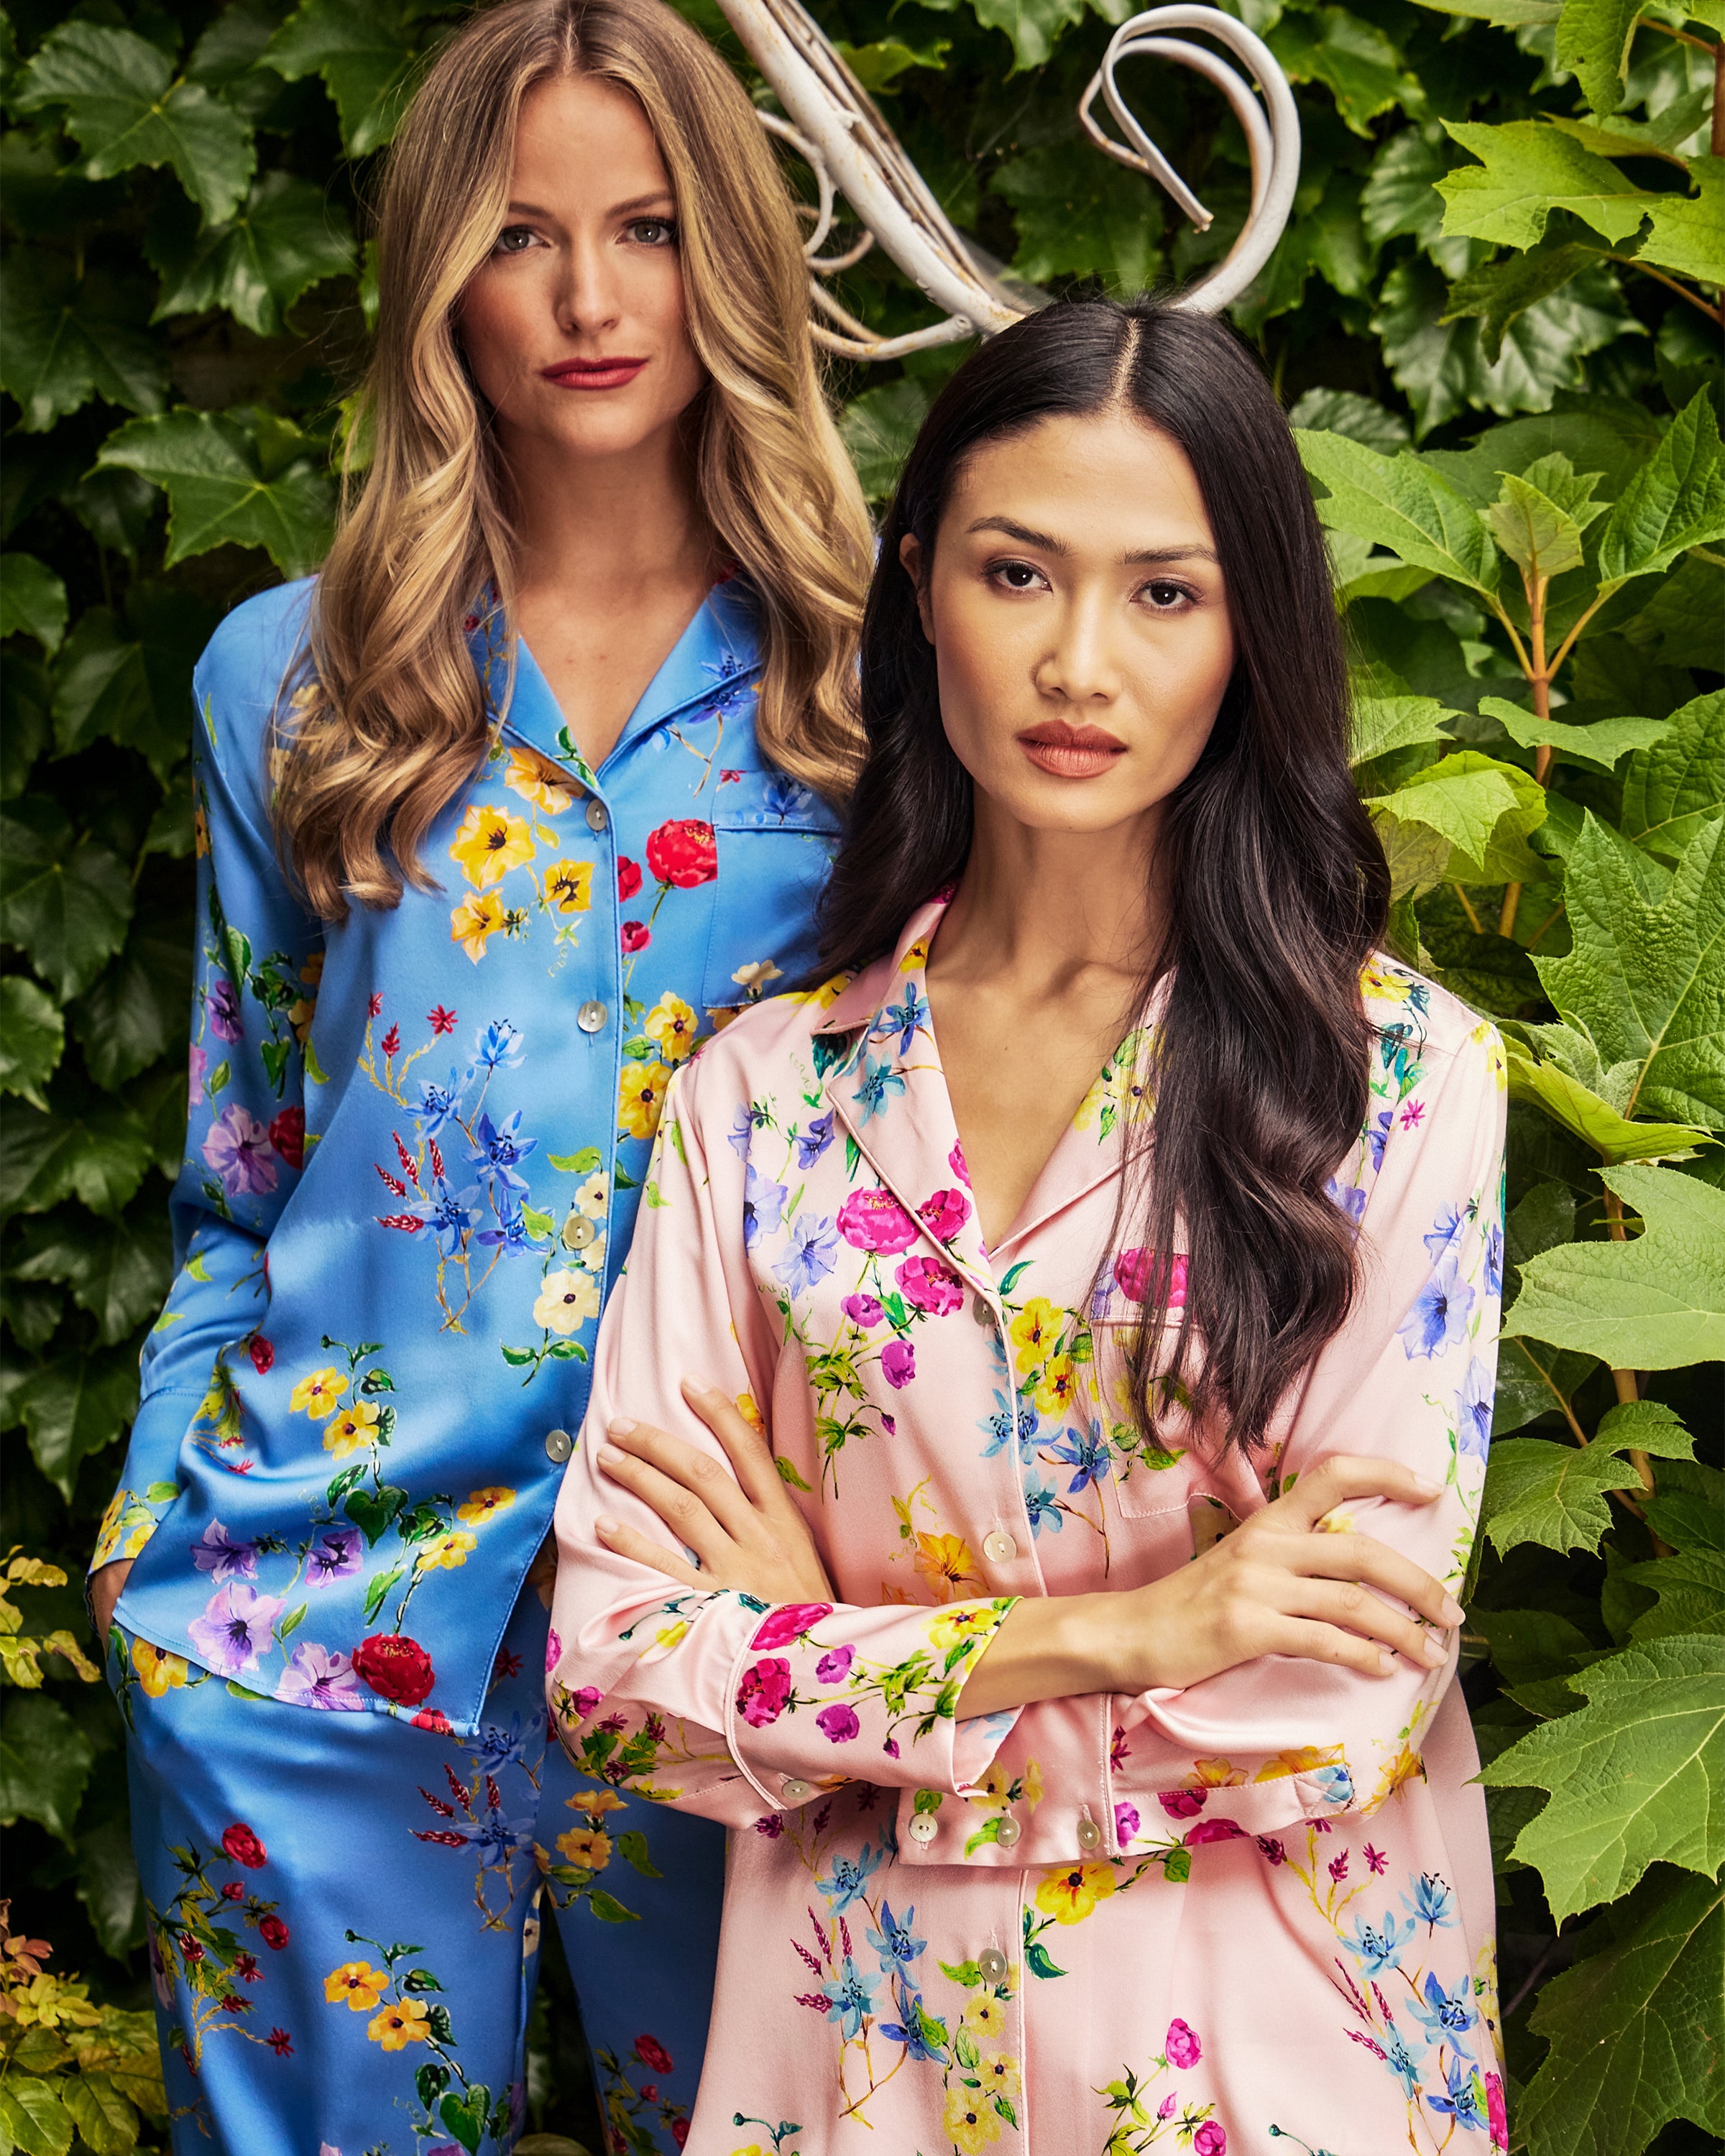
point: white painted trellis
(835, 127)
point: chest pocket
(775, 839)
(1166, 1475)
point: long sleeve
(258, 958)
(718, 1702)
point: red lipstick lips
(593, 373)
(1065, 751)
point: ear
(909, 555)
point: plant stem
(1628, 1390)
(1717, 143)
(1539, 680)
(1551, 918)
(1473, 919)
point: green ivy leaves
(244, 477)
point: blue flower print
(451, 1212)
(1349, 1200)
(903, 1019)
(756, 1116)
(849, 1995)
(915, 2031)
(496, 1838)
(998, 1427)
(500, 1150)
(1438, 1316)
(1433, 1904)
(1337, 1785)
(1403, 2063)
(1446, 1229)
(813, 1142)
(1465, 2102)
(1087, 1453)
(1473, 1412)
(810, 1254)
(732, 682)
(1043, 1505)
(497, 1048)
(1378, 1134)
(762, 1205)
(1375, 1951)
(850, 1876)
(785, 796)
(511, 1235)
(1494, 1261)
(216, 1552)
(896, 1943)
(1442, 2014)
(879, 1081)
(438, 1103)
(495, 1748)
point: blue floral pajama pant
(345, 1913)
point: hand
(1278, 1585)
(105, 1589)
(744, 1528)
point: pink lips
(593, 373)
(1068, 752)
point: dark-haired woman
(1109, 1257)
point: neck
(1043, 909)
(606, 528)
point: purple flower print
(223, 1007)
(765, 1691)
(863, 1310)
(898, 1363)
(813, 1142)
(830, 1668)
(553, 1650)
(335, 1555)
(197, 1063)
(839, 1723)
(1183, 1804)
(499, 1151)
(1473, 1411)
(238, 1150)
(315, 1678)
(1439, 1318)
(1183, 2047)
(1125, 1824)
(928, 1285)
(762, 1205)
(216, 1552)
(814, 1247)
(236, 1627)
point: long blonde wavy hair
(390, 717)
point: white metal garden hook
(836, 129)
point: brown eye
(514, 240)
(653, 232)
(1164, 595)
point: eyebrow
(1141, 558)
(636, 204)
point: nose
(1080, 666)
(589, 296)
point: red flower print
(955, 1161)
(730, 778)
(433, 1718)
(233, 1892)
(395, 1666)
(392, 1041)
(410, 1223)
(683, 853)
(507, 1665)
(928, 1285)
(287, 1134)
(652, 2053)
(243, 1846)
(441, 1020)
(374, 1002)
(231, 2003)
(649, 2092)
(1375, 1860)
(765, 1691)
(245, 1967)
(280, 2043)
(190, 1953)
(1497, 2118)
(874, 1220)
(628, 878)
(262, 1354)
(1413, 1114)
(1338, 1867)
(679, 2132)
(636, 936)
(273, 1932)
(790, 1623)
(1271, 1849)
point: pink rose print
(830, 1668)
(955, 1161)
(1183, 2047)
(238, 1149)
(585, 1701)
(898, 1364)
(1211, 2139)
(197, 1063)
(838, 1722)
(874, 1220)
(928, 1285)
(636, 936)
(1497, 2118)
(243, 1846)
(1125, 1823)
(262, 1354)
(553, 1649)
(1183, 1804)
(790, 1623)
(652, 2053)
(863, 1310)
(1137, 1275)
(765, 1691)
(1212, 1830)
(683, 853)
(944, 1213)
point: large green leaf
(107, 2124)
(64, 900)
(33, 1034)
(1092, 218)
(1653, 1302)
(1565, 1081)
(1527, 171)
(1383, 723)
(1672, 789)
(135, 1013)
(1637, 1777)
(118, 1269)
(1353, 59)
(1633, 2031)
(1592, 42)
(75, 1406)
(130, 679)
(238, 478)
(124, 108)
(100, 1158)
(1403, 504)
(1551, 1492)
(1497, 292)
(1675, 502)
(878, 429)
(1603, 744)
(1484, 809)
(33, 600)
(1686, 233)
(287, 238)
(1645, 976)
(365, 56)
(45, 1760)
(64, 340)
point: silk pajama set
(1255, 1915)
(417, 1146)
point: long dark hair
(1277, 884)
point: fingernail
(1452, 1612)
(1426, 1488)
(620, 1426)
(699, 1385)
(609, 1456)
(1386, 1662)
(606, 1525)
(1434, 1650)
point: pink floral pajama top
(1255, 1915)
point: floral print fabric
(1256, 1910)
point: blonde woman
(534, 786)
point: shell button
(923, 1828)
(999, 1547)
(991, 1965)
(590, 1016)
(558, 1446)
(795, 1789)
(1089, 1834)
(578, 1231)
(597, 816)
(1007, 1832)
(982, 1309)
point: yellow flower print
(1386, 983)
(593, 1198)
(975, 1621)
(568, 886)
(1304, 1759)
(946, 1563)
(673, 1025)
(444, 1552)
(484, 1505)
(754, 976)
(399, 2025)
(1216, 1775)
(1069, 1896)
(200, 832)
(986, 2014)
(474, 920)
(971, 2120)
(999, 2077)
(641, 1097)
(317, 1395)
(158, 1673)
(916, 958)
(1492, 1041)
(356, 1982)
(538, 782)
(1404, 1765)
(827, 994)
(1034, 1330)
(566, 1299)
(597, 1802)
(490, 843)
(590, 1847)
(351, 1428)
(1057, 1384)
(750, 1413)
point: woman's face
(1080, 622)
(575, 328)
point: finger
(639, 1549)
(1354, 1608)
(708, 1480)
(687, 1517)
(1365, 1558)
(746, 1447)
(1315, 1642)
(1344, 1476)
